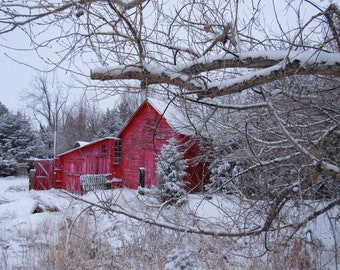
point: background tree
(47, 106)
(111, 123)
(18, 141)
(3, 109)
(113, 119)
(79, 123)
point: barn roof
(172, 114)
(86, 144)
(80, 143)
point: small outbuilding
(99, 158)
(121, 160)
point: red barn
(120, 159)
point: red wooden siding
(197, 170)
(93, 158)
(140, 148)
(42, 177)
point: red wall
(89, 159)
(198, 170)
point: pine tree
(181, 259)
(220, 171)
(171, 172)
(17, 141)
(3, 109)
(111, 123)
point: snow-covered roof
(86, 144)
(80, 144)
(173, 115)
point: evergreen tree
(220, 172)
(223, 168)
(17, 141)
(111, 123)
(3, 109)
(113, 120)
(171, 172)
(181, 259)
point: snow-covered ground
(52, 230)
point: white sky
(16, 77)
(13, 79)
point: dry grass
(78, 247)
(70, 241)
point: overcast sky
(16, 77)
(13, 79)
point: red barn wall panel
(95, 158)
(142, 140)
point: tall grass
(97, 240)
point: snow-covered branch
(147, 76)
(323, 164)
(273, 65)
(143, 217)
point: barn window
(104, 149)
(118, 152)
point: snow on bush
(8, 166)
(181, 259)
(171, 172)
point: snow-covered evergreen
(181, 259)
(220, 169)
(17, 141)
(111, 123)
(171, 172)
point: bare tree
(47, 105)
(206, 52)
(81, 122)
(183, 44)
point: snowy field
(52, 230)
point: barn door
(148, 163)
(43, 175)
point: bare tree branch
(275, 66)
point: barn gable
(167, 111)
(174, 116)
(143, 136)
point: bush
(171, 172)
